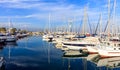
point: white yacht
(109, 49)
(2, 38)
(92, 49)
(113, 62)
(47, 37)
(81, 44)
(11, 38)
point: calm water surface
(34, 54)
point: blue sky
(34, 14)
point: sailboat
(9, 37)
(110, 47)
(82, 42)
(2, 38)
(49, 36)
(94, 49)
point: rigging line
(109, 18)
(81, 24)
(89, 24)
(98, 24)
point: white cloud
(60, 11)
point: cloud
(16, 16)
(17, 5)
(60, 11)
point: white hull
(92, 49)
(75, 42)
(2, 39)
(110, 62)
(74, 47)
(10, 39)
(72, 53)
(58, 40)
(45, 39)
(109, 52)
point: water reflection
(36, 54)
(75, 63)
(2, 58)
(2, 63)
(1, 46)
(49, 53)
(11, 44)
(108, 63)
(94, 62)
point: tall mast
(70, 21)
(84, 20)
(108, 17)
(49, 22)
(114, 19)
(9, 26)
(100, 23)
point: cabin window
(119, 45)
(114, 65)
(114, 48)
(108, 43)
(119, 48)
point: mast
(99, 21)
(114, 25)
(84, 20)
(49, 23)
(70, 21)
(114, 19)
(74, 30)
(9, 25)
(108, 17)
(100, 25)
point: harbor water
(32, 53)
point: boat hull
(92, 49)
(75, 47)
(109, 53)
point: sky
(36, 14)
